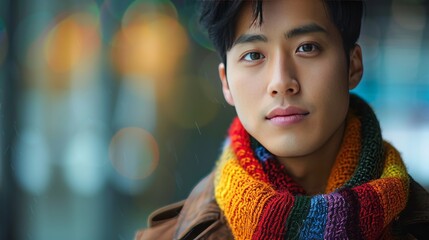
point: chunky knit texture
(367, 188)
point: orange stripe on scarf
(348, 156)
(394, 174)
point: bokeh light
(72, 41)
(134, 153)
(84, 166)
(31, 162)
(150, 44)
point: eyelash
(315, 48)
(249, 54)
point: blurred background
(110, 109)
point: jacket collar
(417, 210)
(200, 211)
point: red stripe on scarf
(272, 224)
(240, 142)
(371, 215)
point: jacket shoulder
(201, 217)
(197, 217)
(161, 223)
(414, 219)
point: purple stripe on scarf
(352, 226)
(337, 217)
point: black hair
(218, 17)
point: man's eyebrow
(305, 29)
(248, 38)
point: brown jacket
(199, 217)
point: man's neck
(312, 171)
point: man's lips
(286, 112)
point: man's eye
(307, 48)
(253, 56)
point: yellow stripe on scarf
(232, 188)
(394, 195)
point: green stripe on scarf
(297, 217)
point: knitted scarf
(367, 188)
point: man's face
(288, 78)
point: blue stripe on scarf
(314, 224)
(262, 154)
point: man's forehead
(298, 17)
(292, 33)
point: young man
(304, 159)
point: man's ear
(225, 87)
(355, 67)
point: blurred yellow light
(150, 45)
(134, 153)
(71, 42)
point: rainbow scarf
(367, 188)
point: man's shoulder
(415, 217)
(196, 217)
(161, 223)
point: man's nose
(283, 80)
